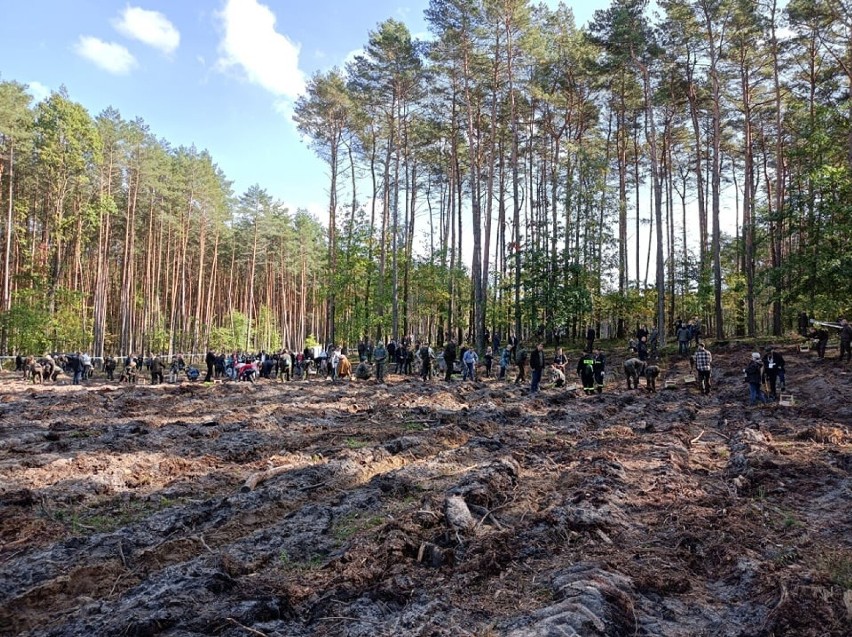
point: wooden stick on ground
(256, 478)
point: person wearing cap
(703, 358)
(773, 370)
(753, 375)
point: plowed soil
(357, 509)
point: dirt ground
(428, 509)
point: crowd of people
(764, 373)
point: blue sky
(221, 74)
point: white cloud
(252, 44)
(110, 56)
(350, 57)
(38, 90)
(150, 27)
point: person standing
(696, 329)
(754, 375)
(391, 352)
(703, 359)
(285, 366)
(156, 370)
(683, 335)
(773, 370)
(426, 356)
(449, 359)
(642, 349)
(521, 362)
(380, 357)
(599, 369)
(537, 367)
(87, 366)
(471, 358)
(586, 372)
(489, 361)
(505, 357)
(462, 352)
(109, 367)
(590, 339)
(75, 365)
(845, 340)
(334, 363)
(210, 360)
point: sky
(220, 74)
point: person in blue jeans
(754, 375)
(75, 365)
(471, 358)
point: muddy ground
(436, 509)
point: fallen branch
(256, 478)
(246, 628)
(313, 486)
(200, 538)
(697, 438)
(115, 584)
(348, 619)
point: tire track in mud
(227, 526)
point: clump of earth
(463, 508)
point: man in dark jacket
(449, 359)
(642, 349)
(75, 366)
(773, 369)
(210, 359)
(845, 340)
(683, 337)
(586, 372)
(156, 370)
(109, 367)
(537, 366)
(590, 339)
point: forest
(511, 172)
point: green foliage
(27, 323)
(68, 326)
(232, 335)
